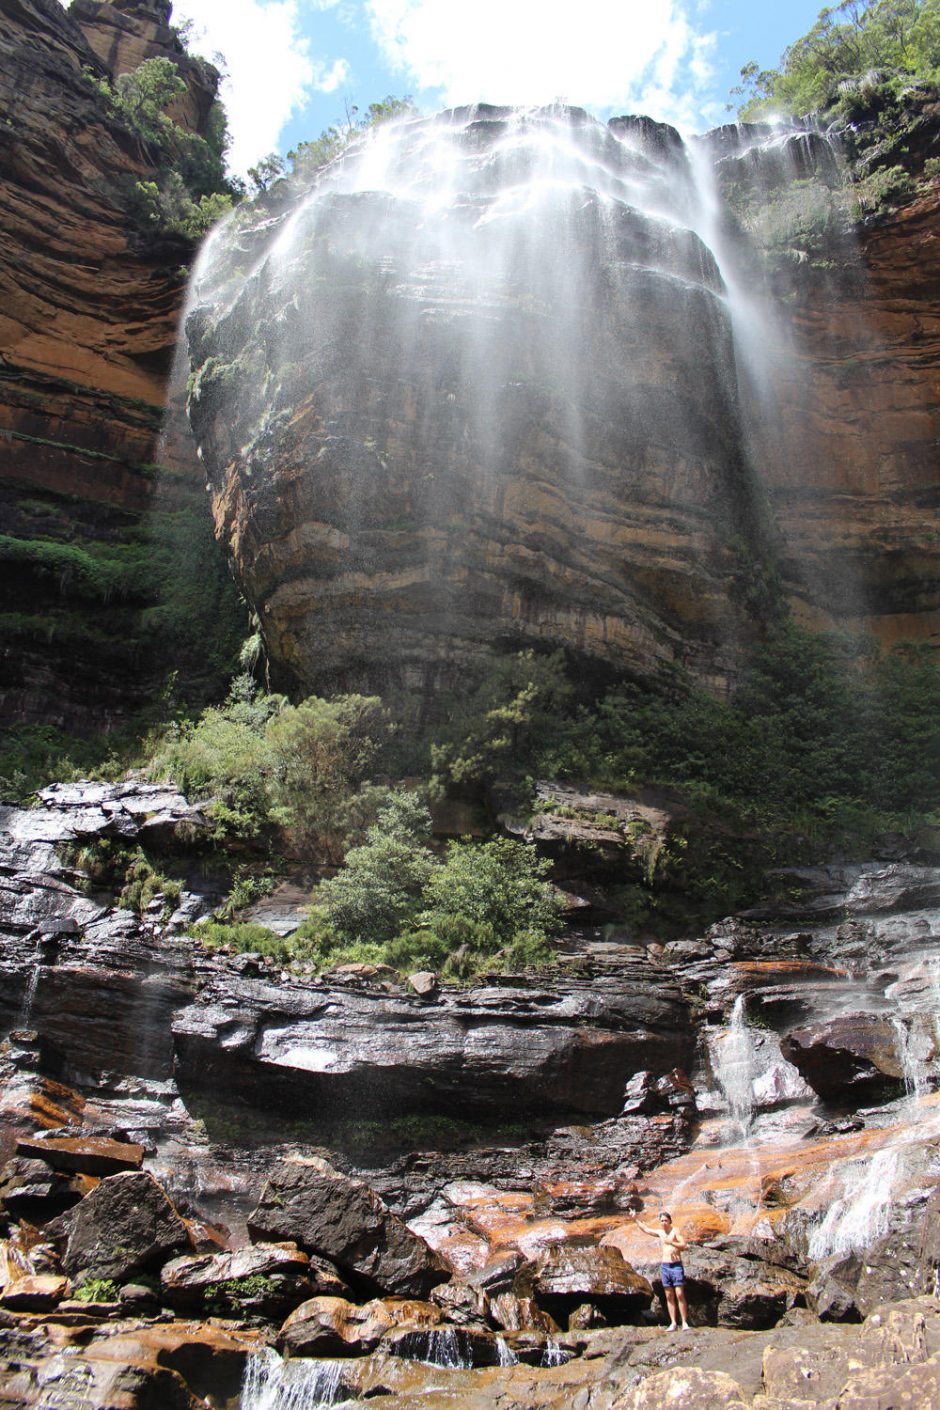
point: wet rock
(266, 1281)
(463, 1304)
(521, 1314)
(88, 1155)
(126, 1225)
(36, 1293)
(343, 1220)
(550, 1051)
(561, 1280)
(332, 1326)
(687, 1386)
(30, 1189)
(455, 1347)
(852, 1057)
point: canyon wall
(541, 389)
(89, 306)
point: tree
(501, 885)
(307, 158)
(266, 171)
(380, 891)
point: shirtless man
(671, 1244)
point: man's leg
(671, 1306)
(680, 1298)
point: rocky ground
(426, 1196)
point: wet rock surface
(795, 1208)
(345, 1221)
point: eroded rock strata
(237, 1161)
(433, 427)
(90, 303)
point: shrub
(96, 1290)
(500, 888)
(379, 892)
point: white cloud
(270, 69)
(327, 80)
(628, 55)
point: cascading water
(860, 1211)
(733, 1054)
(431, 377)
(29, 997)
(272, 1384)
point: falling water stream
(302, 1384)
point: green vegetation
(269, 767)
(484, 906)
(96, 1290)
(853, 50)
(307, 158)
(191, 191)
(232, 1297)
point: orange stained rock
(766, 971)
(710, 1191)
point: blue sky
(295, 66)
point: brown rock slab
(86, 1155)
(685, 1386)
(125, 1226)
(563, 1279)
(342, 1219)
(267, 1280)
(332, 1326)
(36, 1293)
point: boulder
(31, 1190)
(521, 1314)
(86, 1155)
(332, 1326)
(425, 983)
(847, 1059)
(462, 1303)
(267, 1281)
(126, 1226)
(685, 1386)
(37, 1293)
(731, 1283)
(342, 1219)
(562, 1279)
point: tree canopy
(887, 39)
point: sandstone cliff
(88, 314)
(550, 397)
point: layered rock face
(151, 1086)
(477, 388)
(846, 443)
(88, 312)
(509, 377)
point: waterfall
(553, 1355)
(507, 1357)
(443, 1348)
(504, 326)
(272, 1384)
(860, 1214)
(29, 997)
(736, 1067)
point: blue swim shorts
(673, 1275)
